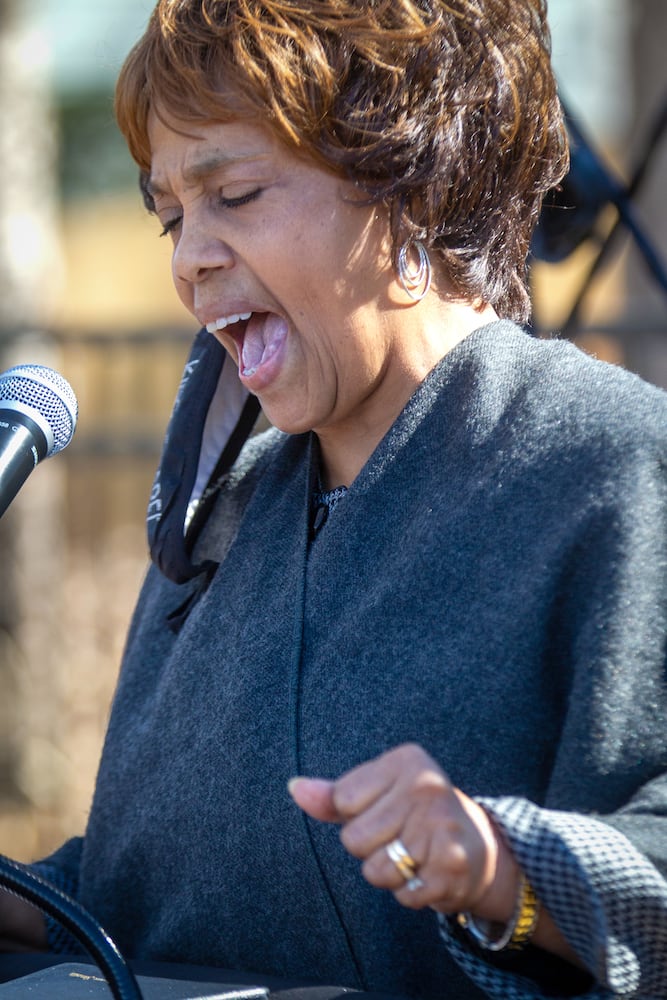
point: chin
(286, 421)
(289, 426)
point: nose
(197, 252)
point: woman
(436, 587)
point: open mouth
(258, 337)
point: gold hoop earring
(415, 283)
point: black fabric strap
(170, 547)
(230, 453)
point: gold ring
(405, 863)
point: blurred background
(86, 290)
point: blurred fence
(125, 385)
(73, 553)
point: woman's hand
(461, 863)
(459, 858)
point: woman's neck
(345, 447)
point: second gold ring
(405, 863)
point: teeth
(220, 324)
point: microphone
(38, 413)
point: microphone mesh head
(44, 390)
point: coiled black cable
(61, 907)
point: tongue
(263, 336)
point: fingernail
(292, 783)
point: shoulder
(564, 435)
(572, 397)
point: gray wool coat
(494, 587)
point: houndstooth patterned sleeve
(608, 900)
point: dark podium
(58, 977)
(44, 976)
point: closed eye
(170, 226)
(242, 199)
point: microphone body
(38, 413)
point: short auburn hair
(446, 111)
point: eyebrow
(208, 165)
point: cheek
(229, 345)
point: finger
(398, 769)
(443, 857)
(451, 855)
(411, 891)
(376, 798)
(407, 784)
(382, 871)
(444, 888)
(357, 790)
(315, 797)
(419, 794)
(444, 877)
(376, 826)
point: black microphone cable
(82, 925)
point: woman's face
(281, 261)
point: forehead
(188, 152)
